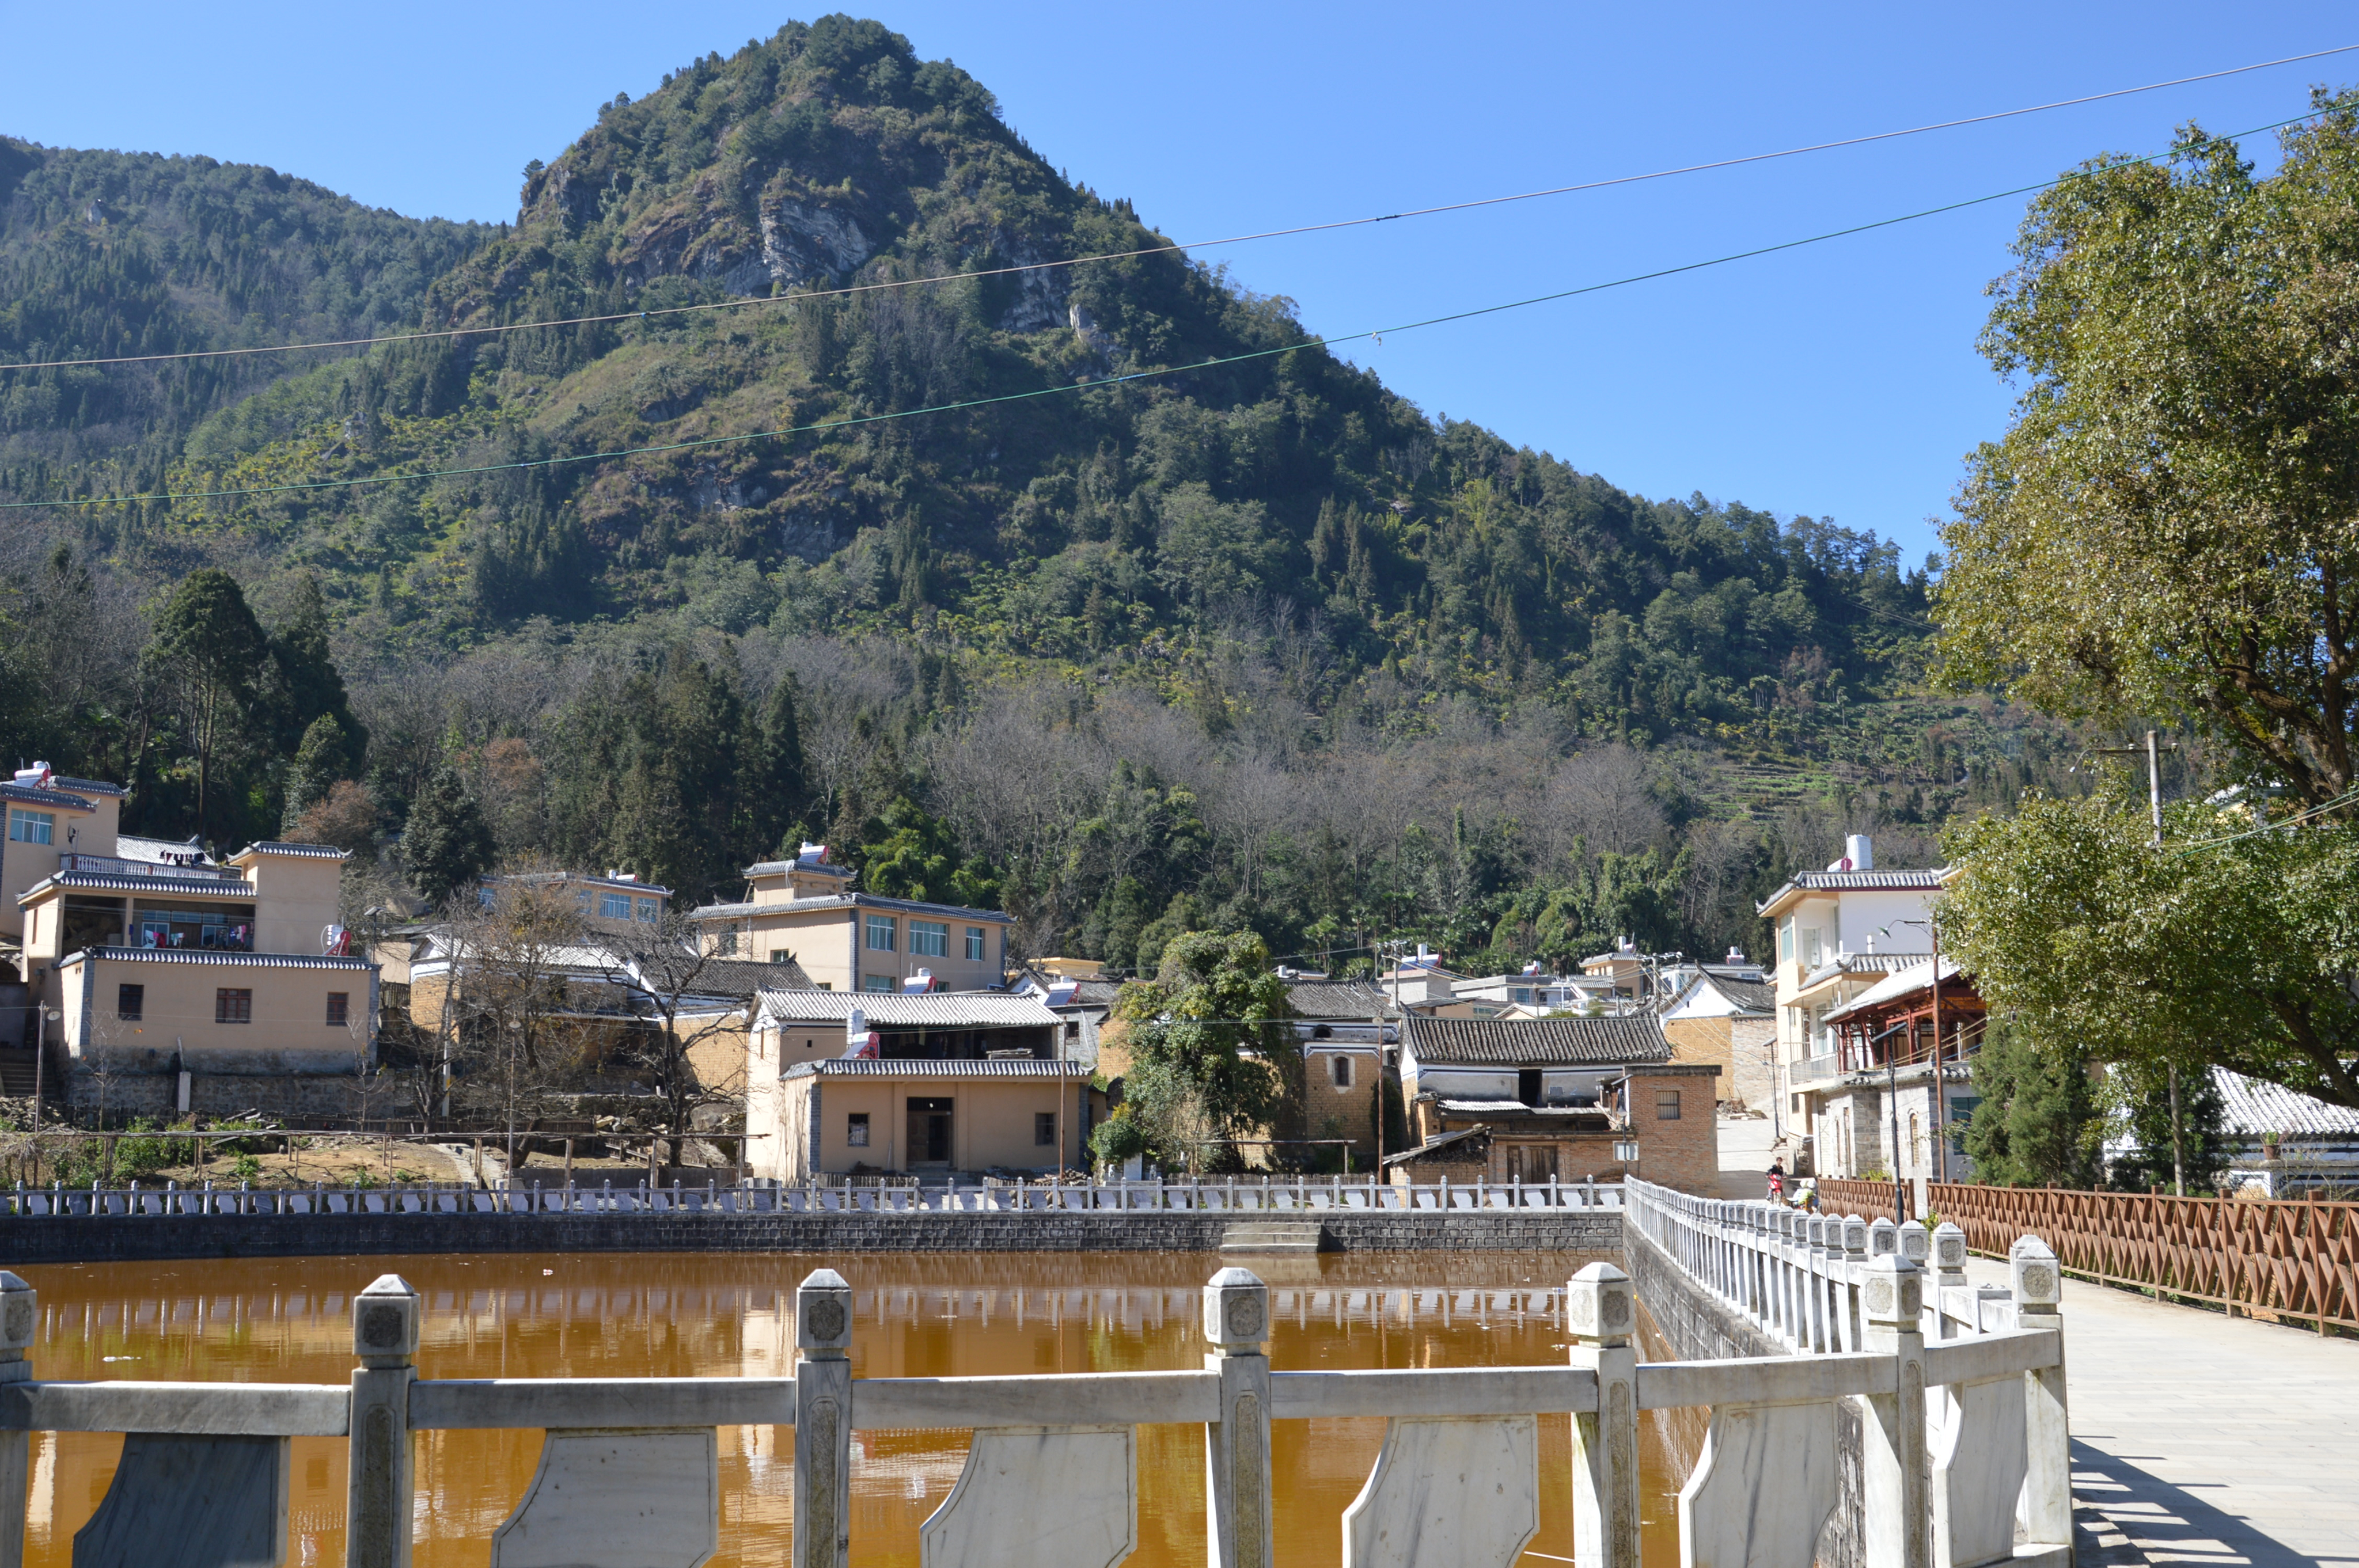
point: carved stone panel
(641, 1498)
(1979, 1462)
(1038, 1496)
(1762, 1489)
(190, 1502)
(1448, 1493)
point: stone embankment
(95, 1239)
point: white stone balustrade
(1965, 1445)
(1051, 1475)
(1309, 1194)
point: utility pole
(2154, 750)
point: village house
(618, 901)
(1726, 1013)
(177, 984)
(1839, 932)
(1554, 1099)
(936, 1084)
(848, 941)
(1901, 1071)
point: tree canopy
(2171, 524)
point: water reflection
(669, 1315)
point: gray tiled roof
(2254, 1108)
(87, 786)
(303, 851)
(1001, 1067)
(32, 796)
(740, 977)
(1331, 999)
(890, 1010)
(1634, 1040)
(216, 956)
(207, 887)
(848, 901)
(1857, 882)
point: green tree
(2140, 1097)
(2167, 526)
(211, 650)
(776, 788)
(2039, 1123)
(2232, 946)
(313, 687)
(1212, 1059)
(447, 844)
(323, 757)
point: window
(780, 956)
(615, 905)
(232, 1006)
(1786, 940)
(929, 939)
(1044, 1129)
(339, 1008)
(855, 1130)
(131, 1003)
(1666, 1105)
(878, 983)
(975, 944)
(32, 826)
(1812, 953)
(648, 911)
(880, 933)
(727, 943)
(1340, 1067)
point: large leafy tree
(446, 843)
(1213, 1059)
(2171, 522)
(2236, 944)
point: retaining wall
(138, 1238)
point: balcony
(113, 866)
(1814, 1069)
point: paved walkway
(2198, 1438)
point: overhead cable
(1375, 334)
(1467, 206)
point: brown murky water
(656, 1314)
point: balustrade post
(1600, 1316)
(1236, 1446)
(823, 1498)
(379, 1490)
(1822, 1327)
(1898, 1524)
(1854, 1242)
(1950, 1274)
(19, 1315)
(2048, 1438)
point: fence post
(384, 1338)
(1897, 1532)
(822, 1537)
(1855, 1241)
(2048, 1439)
(1236, 1446)
(18, 1317)
(1949, 1275)
(1598, 1316)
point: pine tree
(319, 760)
(447, 843)
(774, 787)
(211, 648)
(2039, 1123)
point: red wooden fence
(2277, 1261)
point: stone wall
(1697, 1327)
(127, 1239)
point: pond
(655, 1314)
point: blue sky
(1839, 380)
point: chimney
(1859, 852)
(1735, 957)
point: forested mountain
(1250, 642)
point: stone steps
(16, 1072)
(1271, 1236)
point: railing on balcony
(115, 866)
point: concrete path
(1744, 1150)
(2199, 1438)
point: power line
(1166, 249)
(1375, 334)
